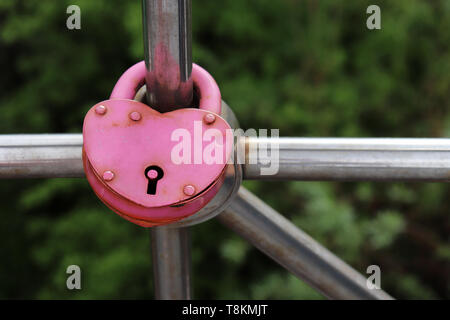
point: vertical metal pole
(168, 53)
(168, 58)
(171, 263)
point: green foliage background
(308, 67)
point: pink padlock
(132, 157)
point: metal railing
(168, 23)
(327, 159)
(315, 159)
(167, 43)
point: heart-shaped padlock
(155, 168)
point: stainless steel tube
(349, 159)
(380, 159)
(41, 156)
(281, 240)
(171, 263)
(168, 53)
(168, 60)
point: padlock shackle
(204, 86)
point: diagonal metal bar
(281, 240)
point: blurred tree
(308, 67)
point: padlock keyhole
(153, 175)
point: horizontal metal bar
(41, 156)
(380, 159)
(349, 159)
(281, 240)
